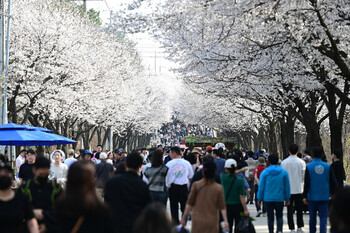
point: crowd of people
(173, 133)
(128, 192)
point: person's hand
(287, 203)
(42, 228)
(227, 227)
(305, 201)
(183, 221)
(246, 212)
(38, 213)
(259, 203)
(249, 190)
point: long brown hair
(80, 198)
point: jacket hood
(274, 170)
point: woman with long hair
(206, 199)
(79, 208)
(155, 176)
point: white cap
(220, 145)
(103, 155)
(230, 162)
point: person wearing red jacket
(257, 171)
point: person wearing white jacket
(296, 170)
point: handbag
(245, 225)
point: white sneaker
(259, 213)
(300, 230)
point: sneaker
(292, 231)
(259, 213)
(300, 230)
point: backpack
(26, 190)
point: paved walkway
(260, 223)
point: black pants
(233, 213)
(177, 194)
(272, 208)
(296, 204)
(250, 196)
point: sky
(150, 50)
(152, 54)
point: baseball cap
(87, 152)
(230, 162)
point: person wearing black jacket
(338, 168)
(198, 175)
(127, 195)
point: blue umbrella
(24, 135)
(37, 128)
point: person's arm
(38, 213)
(190, 172)
(286, 189)
(186, 213)
(242, 170)
(256, 176)
(224, 216)
(168, 179)
(333, 183)
(243, 202)
(303, 170)
(247, 187)
(306, 186)
(261, 188)
(144, 178)
(32, 226)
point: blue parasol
(24, 135)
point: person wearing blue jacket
(274, 190)
(320, 183)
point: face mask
(42, 179)
(5, 182)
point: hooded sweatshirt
(274, 185)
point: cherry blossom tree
(69, 75)
(291, 56)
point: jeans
(322, 208)
(278, 208)
(296, 204)
(177, 194)
(233, 213)
(159, 197)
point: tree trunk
(287, 125)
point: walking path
(260, 223)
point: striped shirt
(156, 178)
